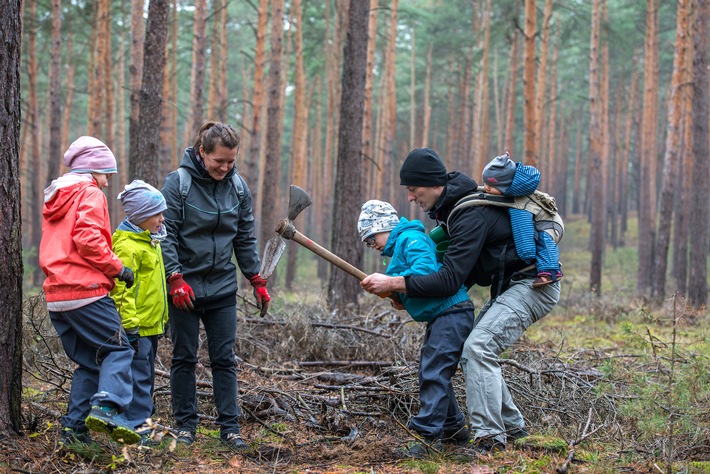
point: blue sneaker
(107, 420)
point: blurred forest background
(607, 97)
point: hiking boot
(460, 436)
(106, 419)
(419, 449)
(71, 436)
(483, 446)
(517, 433)
(185, 437)
(235, 442)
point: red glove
(260, 293)
(181, 292)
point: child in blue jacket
(504, 177)
(448, 323)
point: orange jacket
(75, 251)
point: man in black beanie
(481, 252)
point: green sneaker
(107, 420)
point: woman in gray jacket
(209, 218)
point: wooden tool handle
(327, 255)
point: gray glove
(126, 275)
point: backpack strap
(479, 198)
(184, 183)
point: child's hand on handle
(182, 294)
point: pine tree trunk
(647, 200)
(577, 186)
(509, 141)
(625, 154)
(343, 289)
(541, 84)
(135, 72)
(11, 308)
(145, 164)
(529, 84)
(672, 156)
(300, 127)
(595, 155)
(700, 169)
(213, 90)
(367, 153)
(68, 100)
(425, 142)
(251, 161)
(197, 80)
(36, 154)
(55, 93)
(272, 163)
(222, 86)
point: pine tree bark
(55, 93)
(700, 181)
(671, 158)
(300, 127)
(10, 221)
(541, 84)
(511, 94)
(35, 155)
(145, 164)
(368, 155)
(647, 155)
(197, 81)
(251, 161)
(343, 289)
(135, 72)
(595, 155)
(529, 84)
(272, 163)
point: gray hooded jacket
(216, 225)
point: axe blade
(298, 200)
(272, 253)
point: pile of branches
(337, 375)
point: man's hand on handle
(383, 285)
(182, 294)
(260, 293)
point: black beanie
(422, 167)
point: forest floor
(606, 384)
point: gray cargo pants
(498, 325)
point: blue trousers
(143, 368)
(439, 358)
(221, 330)
(93, 338)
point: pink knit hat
(90, 155)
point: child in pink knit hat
(75, 254)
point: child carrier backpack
(542, 206)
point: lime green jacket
(145, 304)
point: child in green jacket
(143, 307)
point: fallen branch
(318, 325)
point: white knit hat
(375, 217)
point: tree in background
(145, 164)
(343, 289)
(700, 181)
(10, 220)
